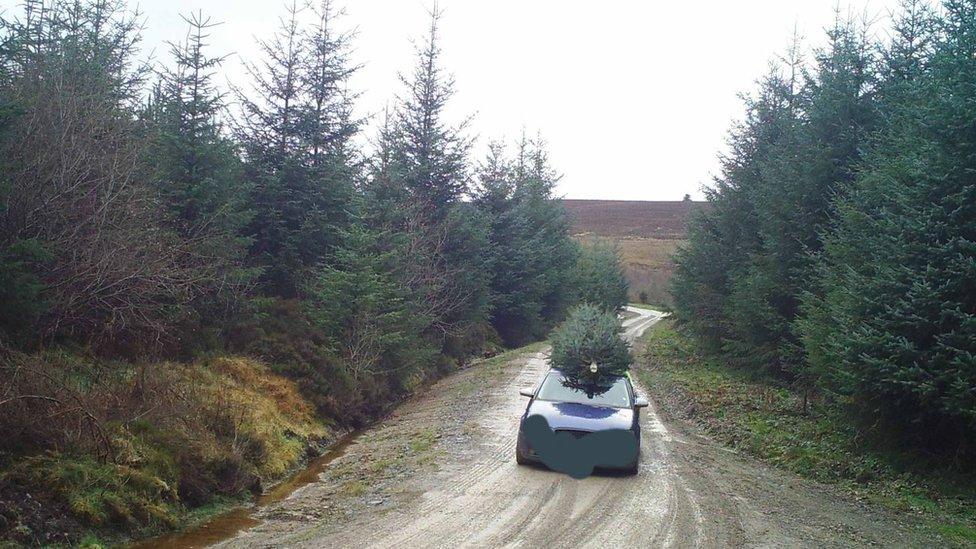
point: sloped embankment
(94, 449)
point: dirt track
(441, 472)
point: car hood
(583, 417)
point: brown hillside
(629, 219)
(648, 233)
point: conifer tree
(551, 252)
(358, 303)
(816, 163)
(295, 132)
(723, 238)
(512, 311)
(532, 255)
(599, 276)
(78, 212)
(429, 152)
(198, 172)
(590, 335)
(741, 280)
(329, 122)
(894, 326)
(423, 178)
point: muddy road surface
(441, 472)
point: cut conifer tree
(588, 345)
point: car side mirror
(527, 392)
(641, 402)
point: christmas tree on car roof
(587, 347)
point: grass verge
(765, 419)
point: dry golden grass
(652, 253)
(648, 264)
(133, 447)
(260, 406)
(648, 234)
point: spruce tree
(894, 327)
(328, 110)
(740, 281)
(364, 312)
(590, 335)
(599, 276)
(197, 168)
(710, 271)
(429, 152)
(422, 180)
(295, 132)
(532, 255)
(547, 222)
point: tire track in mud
(560, 511)
(502, 508)
(689, 492)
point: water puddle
(226, 525)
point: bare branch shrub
(77, 181)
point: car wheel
(520, 459)
(632, 469)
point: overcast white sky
(635, 97)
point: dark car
(575, 425)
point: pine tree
(329, 123)
(758, 306)
(532, 255)
(548, 252)
(515, 313)
(423, 177)
(197, 169)
(590, 335)
(599, 277)
(429, 153)
(296, 134)
(895, 326)
(740, 281)
(365, 314)
(710, 270)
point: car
(574, 424)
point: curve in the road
(689, 492)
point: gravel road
(441, 472)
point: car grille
(574, 433)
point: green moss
(759, 416)
(97, 493)
(201, 434)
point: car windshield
(609, 392)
